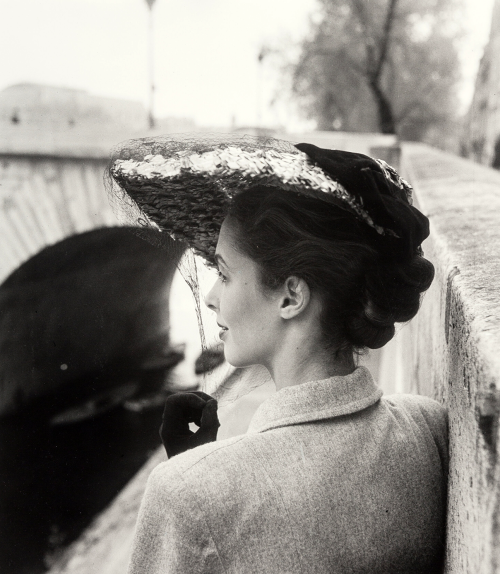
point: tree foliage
(380, 65)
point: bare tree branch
(326, 52)
(363, 63)
(385, 40)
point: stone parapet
(450, 351)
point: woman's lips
(222, 331)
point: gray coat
(329, 478)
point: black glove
(182, 409)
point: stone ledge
(450, 350)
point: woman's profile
(319, 255)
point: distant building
(41, 119)
(36, 105)
(481, 140)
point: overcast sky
(206, 51)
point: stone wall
(450, 351)
(44, 199)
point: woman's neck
(308, 363)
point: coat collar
(316, 400)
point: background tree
(380, 65)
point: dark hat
(183, 185)
(385, 195)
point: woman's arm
(172, 534)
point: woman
(331, 476)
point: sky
(206, 65)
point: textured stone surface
(450, 350)
(44, 199)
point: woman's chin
(236, 360)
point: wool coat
(331, 477)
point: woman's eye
(222, 277)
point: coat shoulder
(428, 413)
(433, 412)
(198, 460)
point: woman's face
(247, 314)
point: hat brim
(186, 193)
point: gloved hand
(182, 409)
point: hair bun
(366, 331)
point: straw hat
(182, 185)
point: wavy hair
(364, 290)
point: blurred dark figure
(84, 327)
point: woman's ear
(295, 297)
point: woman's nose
(212, 298)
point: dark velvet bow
(385, 202)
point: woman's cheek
(230, 302)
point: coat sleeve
(429, 413)
(172, 534)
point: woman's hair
(364, 290)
